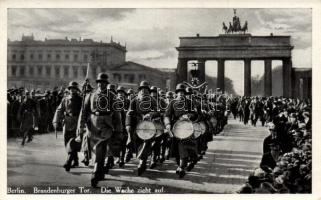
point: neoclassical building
(35, 64)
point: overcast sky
(151, 35)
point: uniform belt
(101, 113)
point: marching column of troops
(109, 122)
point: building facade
(35, 64)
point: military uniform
(27, 116)
(68, 112)
(102, 122)
(184, 150)
(140, 107)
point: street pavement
(231, 157)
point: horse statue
(244, 28)
(230, 28)
(225, 28)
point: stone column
(220, 74)
(287, 75)
(247, 77)
(181, 71)
(201, 67)
(268, 77)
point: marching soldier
(179, 108)
(68, 112)
(113, 148)
(143, 107)
(27, 115)
(102, 121)
(130, 145)
(122, 106)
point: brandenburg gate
(239, 46)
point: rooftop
(30, 41)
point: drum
(197, 129)
(183, 129)
(159, 128)
(145, 130)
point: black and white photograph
(159, 100)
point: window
(75, 57)
(31, 70)
(75, 71)
(40, 56)
(67, 57)
(31, 56)
(57, 71)
(57, 56)
(22, 57)
(130, 78)
(142, 77)
(117, 77)
(13, 56)
(39, 70)
(49, 56)
(22, 70)
(85, 58)
(84, 71)
(13, 70)
(48, 70)
(66, 71)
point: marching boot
(153, 162)
(110, 162)
(128, 156)
(190, 166)
(86, 159)
(121, 162)
(180, 170)
(67, 164)
(141, 167)
(97, 175)
(75, 160)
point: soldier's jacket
(68, 112)
(27, 114)
(100, 116)
(139, 107)
(179, 107)
(122, 105)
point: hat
(121, 89)
(102, 77)
(73, 84)
(189, 90)
(161, 93)
(169, 94)
(143, 84)
(130, 91)
(111, 87)
(180, 87)
(153, 89)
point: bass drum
(146, 130)
(159, 128)
(183, 129)
(197, 129)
